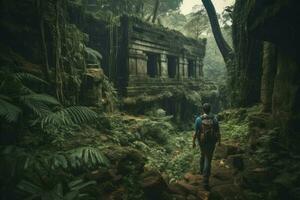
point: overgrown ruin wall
(157, 57)
(160, 68)
(247, 72)
(66, 42)
(276, 24)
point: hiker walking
(207, 133)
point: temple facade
(153, 57)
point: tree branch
(223, 46)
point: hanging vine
(113, 45)
(41, 13)
(58, 66)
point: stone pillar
(164, 65)
(91, 87)
(177, 74)
(200, 63)
(185, 66)
(181, 68)
(132, 68)
(141, 64)
(137, 63)
(197, 68)
(268, 76)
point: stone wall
(247, 73)
(276, 24)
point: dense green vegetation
(66, 131)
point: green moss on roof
(161, 29)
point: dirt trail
(223, 183)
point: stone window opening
(93, 2)
(191, 69)
(152, 65)
(172, 66)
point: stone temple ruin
(151, 65)
(156, 58)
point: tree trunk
(58, 70)
(223, 46)
(45, 50)
(226, 51)
(155, 11)
(268, 75)
(40, 8)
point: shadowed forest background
(98, 99)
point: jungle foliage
(54, 147)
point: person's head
(206, 108)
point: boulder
(101, 175)
(191, 197)
(126, 159)
(118, 194)
(256, 178)
(203, 195)
(156, 131)
(193, 179)
(178, 197)
(236, 161)
(177, 189)
(184, 189)
(91, 87)
(189, 189)
(226, 150)
(226, 191)
(153, 185)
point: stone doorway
(191, 69)
(152, 65)
(172, 66)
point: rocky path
(131, 173)
(223, 182)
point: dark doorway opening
(152, 65)
(172, 66)
(191, 68)
(92, 1)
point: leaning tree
(226, 51)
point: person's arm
(194, 140)
(197, 130)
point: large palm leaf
(8, 111)
(28, 77)
(44, 191)
(87, 156)
(69, 116)
(39, 103)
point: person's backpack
(208, 128)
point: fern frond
(30, 188)
(9, 111)
(25, 90)
(28, 77)
(38, 103)
(37, 161)
(80, 184)
(58, 161)
(4, 97)
(70, 116)
(44, 98)
(88, 156)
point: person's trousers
(207, 151)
